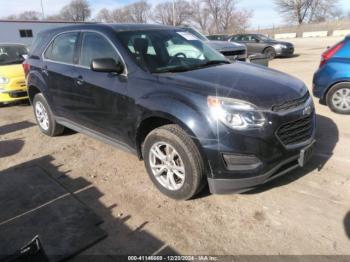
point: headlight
(236, 114)
(281, 46)
(3, 80)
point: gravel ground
(303, 212)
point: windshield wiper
(193, 67)
(214, 62)
(174, 69)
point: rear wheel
(173, 162)
(270, 53)
(44, 117)
(338, 98)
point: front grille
(233, 53)
(291, 104)
(296, 132)
(18, 94)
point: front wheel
(45, 118)
(173, 162)
(338, 98)
(270, 53)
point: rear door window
(62, 48)
(95, 46)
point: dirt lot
(301, 213)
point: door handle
(44, 70)
(79, 80)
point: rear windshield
(12, 54)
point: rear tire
(270, 53)
(45, 118)
(338, 98)
(173, 162)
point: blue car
(332, 80)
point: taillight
(330, 52)
(26, 67)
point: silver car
(231, 50)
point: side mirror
(257, 40)
(107, 65)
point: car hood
(9, 71)
(225, 46)
(261, 86)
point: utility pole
(174, 15)
(42, 9)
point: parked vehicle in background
(258, 43)
(331, 82)
(192, 120)
(233, 51)
(12, 79)
(218, 37)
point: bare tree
(239, 22)
(76, 10)
(27, 15)
(322, 10)
(215, 9)
(225, 17)
(138, 12)
(120, 16)
(302, 11)
(200, 17)
(163, 13)
(105, 16)
(296, 10)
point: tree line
(209, 16)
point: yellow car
(12, 79)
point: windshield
(12, 54)
(160, 51)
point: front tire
(173, 162)
(338, 98)
(270, 53)
(45, 118)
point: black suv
(175, 102)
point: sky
(264, 13)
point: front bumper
(289, 51)
(239, 161)
(227, 186)
(13, 95)
(13, 91)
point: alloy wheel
(167, 166)
(41, 115)
(341, 99)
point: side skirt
(97, 135)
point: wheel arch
(148, 124)
(268, 46)
(36, 84)
(32, 91)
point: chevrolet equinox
(182, 107)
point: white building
(23, 32)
